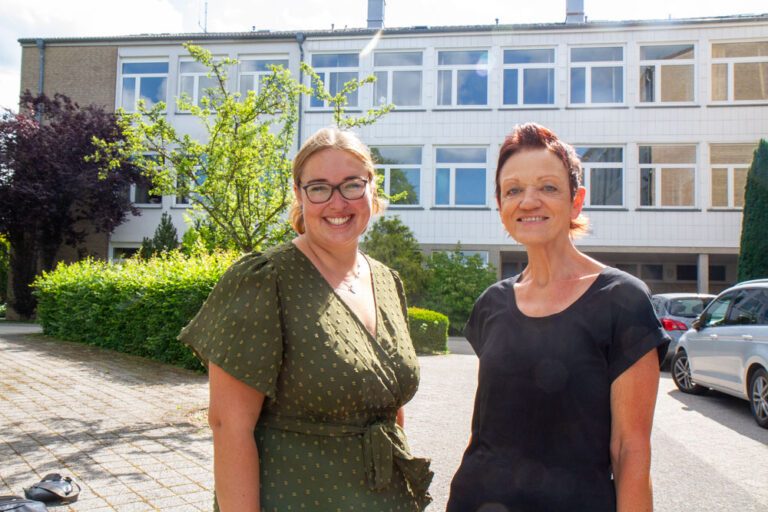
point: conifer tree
(753, 252)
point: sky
(85, 18)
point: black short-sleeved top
(542, 419)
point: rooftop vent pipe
(376, 13)
(574, 11)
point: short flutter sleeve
(239, 327)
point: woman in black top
(569, 357)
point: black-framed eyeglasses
(350, 189)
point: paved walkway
(133, 432)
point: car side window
(746, 308)
(657, 306)
(762, 313)
(717, 310)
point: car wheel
(758, 397)
(681, 374)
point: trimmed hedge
(137, 307)
(429, 330)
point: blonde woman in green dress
(309, 357)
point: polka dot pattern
(274, 323)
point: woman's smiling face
(535, 202)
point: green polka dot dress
(327, 436)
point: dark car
(677, 311)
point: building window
(398, 78)
(141, 196)
(652, 272)
(687, 272)
(335, 69)
(195, 83)
(729, 164)
(597, 75)
(253, 72)
(603, 175)
(400, 170)
(666, 73)
(667, 175)
(460, 177)
(462, 77)
(717, 273)
(145, 81)
(529, 77)
(123, 253)
(740, 71)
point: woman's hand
(233, 412)
(633, 399)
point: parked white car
(727, 348)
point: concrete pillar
(703, 278)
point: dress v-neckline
(374, 336)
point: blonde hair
(331, 138)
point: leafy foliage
(137, 307)
(165, 240)
(392, 242)
(753, 263)
(49, 194)
(5, 248)
(454, 283)
(429, 330)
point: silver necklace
(349, 285)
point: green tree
(753, 259)
(392, 242)
(454, 282)
(5, 249)
(166, 239)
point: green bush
(137, 306)
(429, 330)
(5, 249)
(2, 310)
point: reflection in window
(400, 168)
(740, 71)
(398, 78)
(603, 175)
(597, 75)
(335, 69)
(666, 73)
(460, 176)
(667, 175)
(462, 77)
(145, 81)
(729, 166)
(529, 77)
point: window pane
(597, 54)
(472, 88)
(666, 52)
(605, 185)
(472, 58)
(246, 84)
(142, 195)
(444, 87)
(668, 154)
(677, 187)
(528, 56)
(607, 85)
(687, 272)
(470, 186)
(600, 154)
(335, 60)
(152, 90)
(719, 82)
(652, 272)
(647, 187)
(262, 65)
(145, 67)
(129, 93)
(578, 85)
(739, 187)
(677, 83)
(539, 86)
(405, 180)
(719, 187)
(206, 87)
(380, 88)
(647, 83)
(314, 101)
(337, 81)
(396, 155)
(729, 50)
(442, 186)
(750, 81)
(510, 87)
(461, 155)
(193, 67)
(397, 59)
(406, 88)
(188, 86)
(717, 272)
(731, 153)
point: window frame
(658, 169)
(659, 65)
(387, 168)
(521, 68)
(587, 168)
(731, 168)
(138, 76)
(324, 71)
(588, 66)
(452, 167)
(134, 189)
(390, 71)
(196, 75)
(257, 75)
(454, 69)
(730, 78)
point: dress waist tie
(384, 446)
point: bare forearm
(632, 475)
(236, 471)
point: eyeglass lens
(322, 192)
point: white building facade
(665, 115)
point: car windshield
(689, 307)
